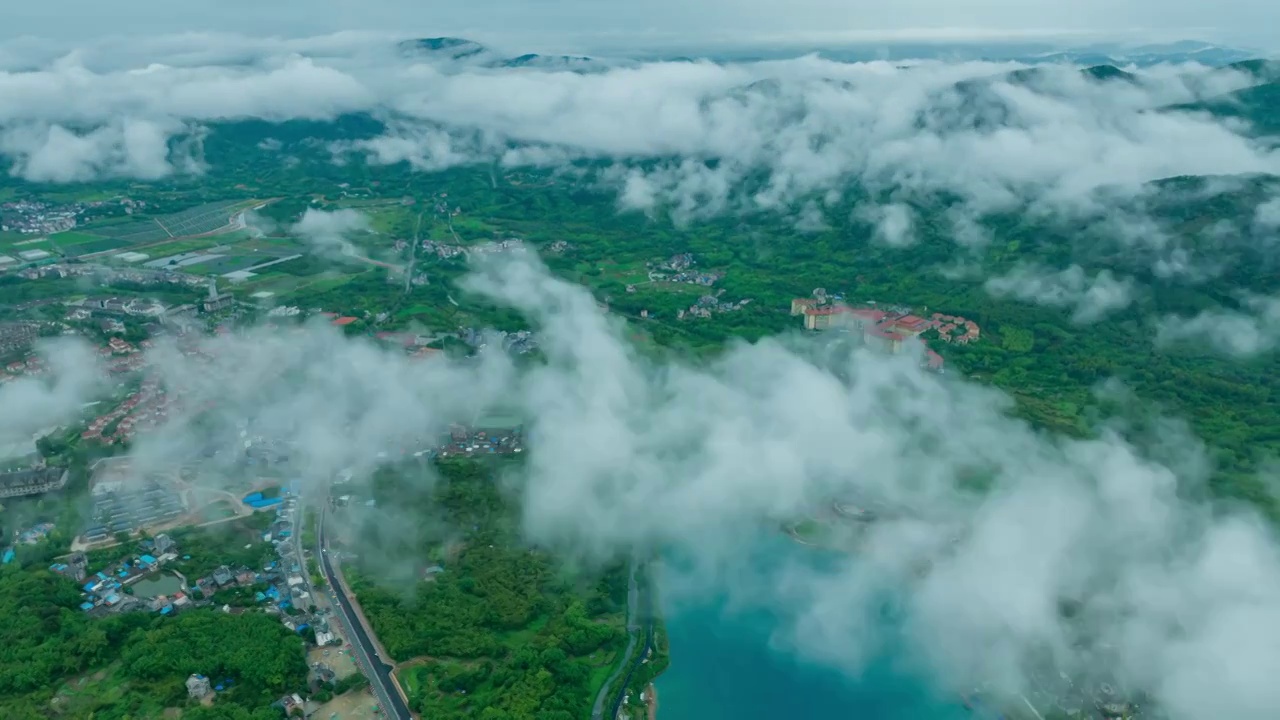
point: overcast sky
(584, 25)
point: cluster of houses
(887, 330)
(707, 305)
(516, 343)
(111, 305)
(30, 536)
(445, 251)
(679, 269)
(286, 584)
(18, 368)
(495, 247)
(465, 441)
(955, 329)
(34, 217)
(105, 274)
(38, 218)
(103, 592)
(442, 251)
(146, 408)
(17, 337)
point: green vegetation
(232, 543)
(59, 662)
(502, 632)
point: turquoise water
(722, 666)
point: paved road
(362, 647)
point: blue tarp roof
(166, 609)
(148, 560)
(86, 606)
(89, 586)
(8, 556)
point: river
(723, 666)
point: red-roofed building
(344, 321)
(884, 339)
(933, 360)
(867, 314)
(911, 325)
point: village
(33, 217)
(147, 576)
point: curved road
(633, 595)
(379, 673)
(630, 661)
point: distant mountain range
(460, 50)
(469, 52)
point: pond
(159, 584)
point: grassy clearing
(177, 247)
(812, 531)
(74, 237)
(96, 246)
(83, 696)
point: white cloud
(32, 404)
(1091, 298)
(703, 137)
(130, 148)
(1253, 330)
(328, 232)
(894, 223)
(631, 452)
(1267, 216)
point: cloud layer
(1252, 330)
(631, 453)
(697, 137)
(1090, 298)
